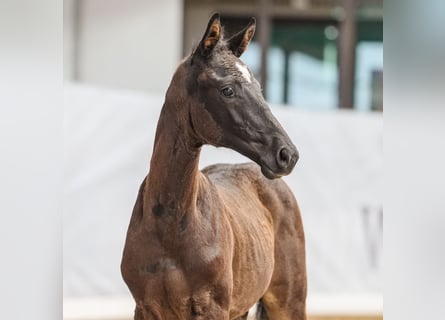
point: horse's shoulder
(136, 215)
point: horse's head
(228, 108)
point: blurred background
(318, 54)
(321, 66)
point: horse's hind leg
(285, 299)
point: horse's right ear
(211, 36)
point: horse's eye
(228, 92)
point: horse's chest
(177, 284)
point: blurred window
(313, 81)
(369, 76)
(302, 64)
(368, 90)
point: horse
(211, 244)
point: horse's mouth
(269, 173)
(274, 171)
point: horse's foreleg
(285, 299)
(244, 317)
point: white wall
(132, 44)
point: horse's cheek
(207, 125)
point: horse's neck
(173, 179)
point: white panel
(337, 181)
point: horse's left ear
(238, 43)
(211, 36)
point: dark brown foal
(211, 244)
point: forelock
(225, 64)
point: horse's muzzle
(282, 164)
(286, 158)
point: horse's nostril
(284, 157)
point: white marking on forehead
(244, 71)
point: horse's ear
(238, 43)
(211, 36)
